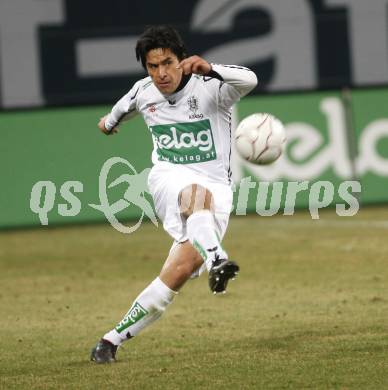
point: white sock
(147, 308)
(202, 235)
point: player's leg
(150, 304)
(181, 263)
(197, 206)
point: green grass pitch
(309, 309)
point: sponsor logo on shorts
(185, 143)
(135, 314)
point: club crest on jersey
(192, 101)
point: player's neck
(185, 79)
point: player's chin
(165, 88)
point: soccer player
(186, 103)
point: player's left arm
(241, 79)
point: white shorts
(166, 181)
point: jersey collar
(175, 95)
(185, 79)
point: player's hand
(101, 126)
(196, 65)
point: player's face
(162, 67)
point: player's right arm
(123, 110)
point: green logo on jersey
(185, 143)
(135, 313)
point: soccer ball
(260, 138)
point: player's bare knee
(194, 198)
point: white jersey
(193, 125)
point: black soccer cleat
(104, 352)
(220, 273)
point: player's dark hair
(160, 37)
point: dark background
(88, 18)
